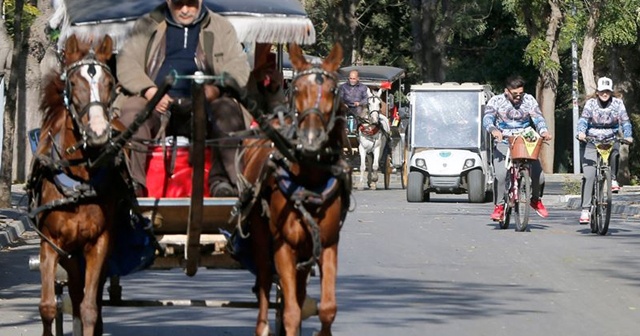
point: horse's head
(89, 88)
(374, 105)
(315, 98)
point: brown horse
(74, 204)
(300, 198)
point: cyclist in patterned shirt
(507, 114)
(603, 117)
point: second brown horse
(301, 199)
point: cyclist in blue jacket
(603, 118)
(507, 114)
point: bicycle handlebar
(596, 141)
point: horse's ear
(105, 50)
(71, 45)
(332, 62)
(297, 59)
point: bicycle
(601, 197)
(518, 189)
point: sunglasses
(516, 94)
(189, 3)
(353, 78)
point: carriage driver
(355, 95)
(509, 114)
(183, 36)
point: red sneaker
(497, 212)
(539, 208)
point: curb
(11, 227)
(621, 207)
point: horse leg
(260, 236)
(76, 290)
(363, 166)
(95, 258)
(48, 264)
(285, 260)
(328, 306)
(375, 165)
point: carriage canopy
(379, 76)
(255, 21)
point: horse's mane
(52, 104)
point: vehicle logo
(445, 154)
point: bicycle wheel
(604, 202)
(506, 213)
(521, 207)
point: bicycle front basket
(521, 148)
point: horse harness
(306, 201)
(54, 167)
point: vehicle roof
(450, 86)
(262, 21)
(372, 75)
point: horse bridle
(321, 75)
(92, 62)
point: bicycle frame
(517, 194)
(601, 195)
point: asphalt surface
(560, 190)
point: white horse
(372, 138)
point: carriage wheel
(405, 168)
(387, 170)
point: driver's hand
(497, 135)
(356, 104)
(546, 136)
(582, 136)
(165, 102)
(629, 140)
(211, 92)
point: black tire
(506, 214)
(415, 187)
(475, 186)
(521, 207)
(604, 203)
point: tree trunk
(588, 50)
(10, 112)
(430, 40)
(548, 84)
(29, 116)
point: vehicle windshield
(446, 119)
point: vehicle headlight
(468, 163)
(421, 163)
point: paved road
(437, 268)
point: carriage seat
(169, 171)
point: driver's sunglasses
(516, 94)
(188, 3)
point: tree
(433, 25)
(543, 52)
(10, 112)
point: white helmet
(605, 84)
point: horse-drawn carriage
(379, 135)
(82, 206)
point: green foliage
(29, 14)
(538, 54)
(618, 23)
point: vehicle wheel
(415, 187)
(387, 170)
(506, 215)
(475, 186)
(522, 207)
(604, 203)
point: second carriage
(386, 82)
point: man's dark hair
(514, 82)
